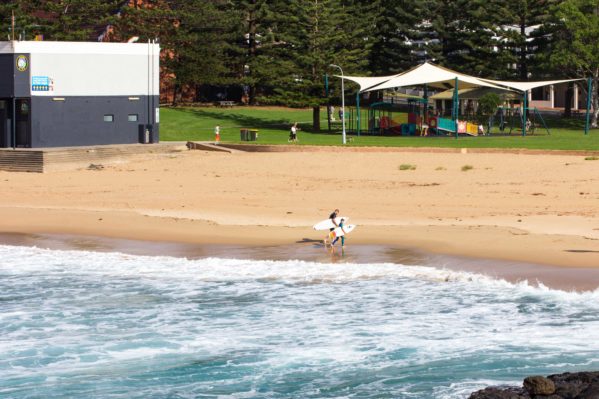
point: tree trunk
(316, 118)
(176, 90)
(569, 96)
(252, 46)
(523, 49)
(329, 115)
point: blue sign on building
(40, 83)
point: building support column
(576, 96)
(552, 96)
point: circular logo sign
(22, 63)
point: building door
(5, 123)
(23, 126)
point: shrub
(407, 166)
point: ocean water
(77, 324)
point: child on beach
(332, 216)
(342, 237)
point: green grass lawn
(273, 123)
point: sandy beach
(539, 209)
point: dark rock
(569, 391)
(591, 392)
(583, 385)
(538, 385)
(583, 377)
(500, 393)
(572, 385)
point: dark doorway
(23, 126)
(5, 126)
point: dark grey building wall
(6, 75)
(79, 121)
(22, 78)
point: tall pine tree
(575, 48)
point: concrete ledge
(312, 148)
(69, 158)
(210, 147)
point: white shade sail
(434, 76)
(524, 86)
(367, 82)
(443, 78)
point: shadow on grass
(255, 122)
(556, 122)
(240, 119)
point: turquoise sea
(81, 324)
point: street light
(342, 99)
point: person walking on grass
(293, 133)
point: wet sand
(570, 279)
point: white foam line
(17, 260)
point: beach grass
(273, 123)
(407, 166)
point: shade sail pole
(358, 111)
(590, 90)
(456, 106)
(524, 119)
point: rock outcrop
(583, 385)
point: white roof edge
(51, 47)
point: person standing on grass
(217, 134)
(293, 133)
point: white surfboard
(339, 233)
(328, 224)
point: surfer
(332, 216)
(342, 237)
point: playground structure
(385, 119)
(513, 116)
(414, 118)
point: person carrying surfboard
(341, 222)
(332, 216)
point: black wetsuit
(332, 217)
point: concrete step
(56, 159)
(204, 146)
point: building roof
(49, 47)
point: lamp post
(342, 100)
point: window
(132, 118)
(108, 118)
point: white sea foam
(17, 260)
(253, 326)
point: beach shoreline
(278, 244)
(464, 238)
(531, 208)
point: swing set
(512, 116)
